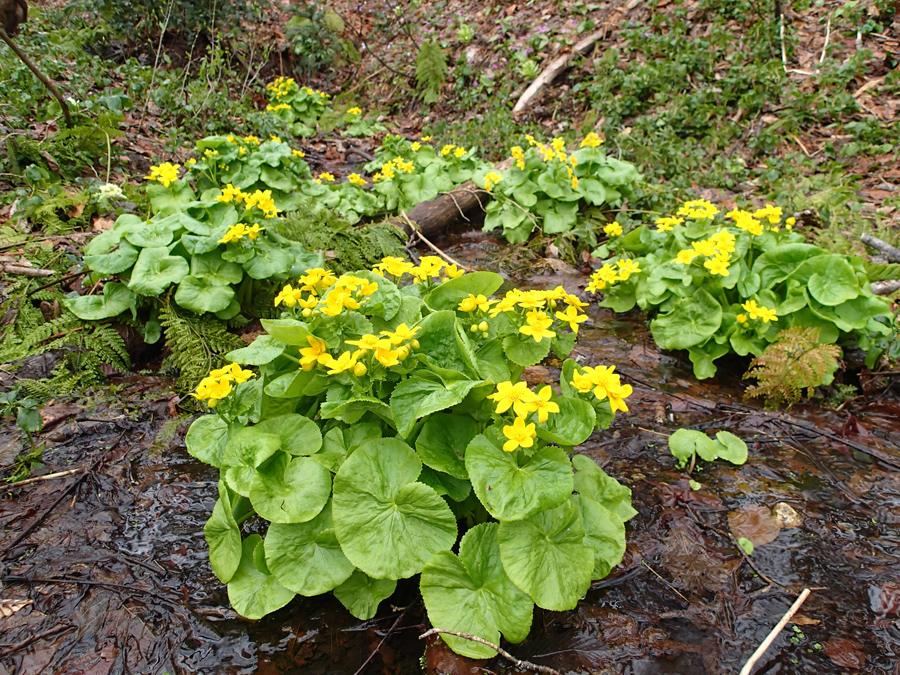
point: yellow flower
(298, 153)
(613, 230)
(717, 265)
(262, 199)
(425, 139)
(356, 179)
(326, 177)
(581, 382)
(520, 435)
(723, 240)
(767, 314)
(741, 318)
(459, 152)
(387, 170)
(209, 154)
(166, 173)
(286, 297)
(254, 230)
(592, 140)
(474, 302)
(491, 179)
(387, 357)
(401, 334)
(229, 193)
(429, 266)
(790, 222)
(706, 247)
(771, 213)
(242, 150)
(403, 165)
(231, 139)
(235, 233)
(446, 150)
(520, 164)
(354, 111)
(416, 146)
(558, 144)
(572, 317)
(516, 396)
(394, 266)
(251, 140)
(317, 279)
(369, 343)
(517, 153)
(542, 405)
(626, 269)
(274, 138)
(617, 397)
(698, 208)
(345, 361)
(759, 312)
(599, 279)
(536, 325)
(453, 272)
(238, 374)
(667, 223)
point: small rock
(787, 516)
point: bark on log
(25, 271)
(885, 287)
(892, 253)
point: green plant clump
(385, 420)
(717, 287)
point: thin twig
(22, 579)
(155, 65)
(12, 649)
(518, 663)
(25, 271)
(658, 576)
(37, 479)
(770, 638)
(386, 636)
(827, 36)
(434, 248)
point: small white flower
(110, 191)
(71, 101)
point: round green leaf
(306, 557)
(299, 435)
(361, 594)
(445, 484)
(116, 299)
(449, 294)
(245, 451)
(443, 441)
(524, 351)
(388, 525)
(286, 490)
(254, 593)
(835, 284)
(690, 322)
(592, 481)
(730, 448)
(150, 235)
(113, 262)
(206, 439)
(203, 295)
(685, 443)
(268, 262)
(156, 270)
(261, 351)
(604, 532)
(223, 537)
(512, 492)
(288, 331)
(546, 557)
(573, 424)
(416, 397)
(472, 594)
(213, 267)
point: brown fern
(794, 362)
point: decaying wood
(561, 63)
(892, 253)
(25, 271)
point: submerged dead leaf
(754, 522)
(8, 607)
(845, 653)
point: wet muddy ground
(105, 570)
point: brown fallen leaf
(76, 210)
(8, 607)
(845, 653)
(103, 224)
(754, 522)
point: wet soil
(106, 571)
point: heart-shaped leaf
(203, 295)
(116, 299)
(286, 490)
(156, 270)
(299, 435)
(253, 592)
(223, 537)
(604, 532)
(206, 439)
(443, 441)
(361, 594)
(593, 482)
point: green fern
(796, 361)
(195, 344)
(431, 71)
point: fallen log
(885, 287)
(892, 253)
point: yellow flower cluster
(606, 385)
(491, 179)
(354, 111)
(698, 209)
(523, 402)
(755, 311)
(262, 199)
(278, 106)
(250, 140)
(281, 87)
(356, 179)
(429, 267)
(537, 321)
(298, 153)
(753, 222)
(556, 150)
(390, 350)
(218, 384)
(519, 155)
(327, 177)
(415, 146)
(314, 92)
(166, 173)
(716, 249)
(239, 231)
(346, 292)
(667, 223)
(458, 152)
(609, 275)
(389, 169)
(613, 230)
(592, 140)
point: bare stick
(386, 636)
(43, 78)
(770, 638)
(885, 287)
(892, 253)
(432, 246)
(37, 479)
(827, 35)
(25, 271)
(518, 663)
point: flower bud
(402, 352)
(360, 369)
(474, 328)
(307, 312)
(414, 344)
(483, 326)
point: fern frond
(431, 71)
(795, 362)
(196, 344)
